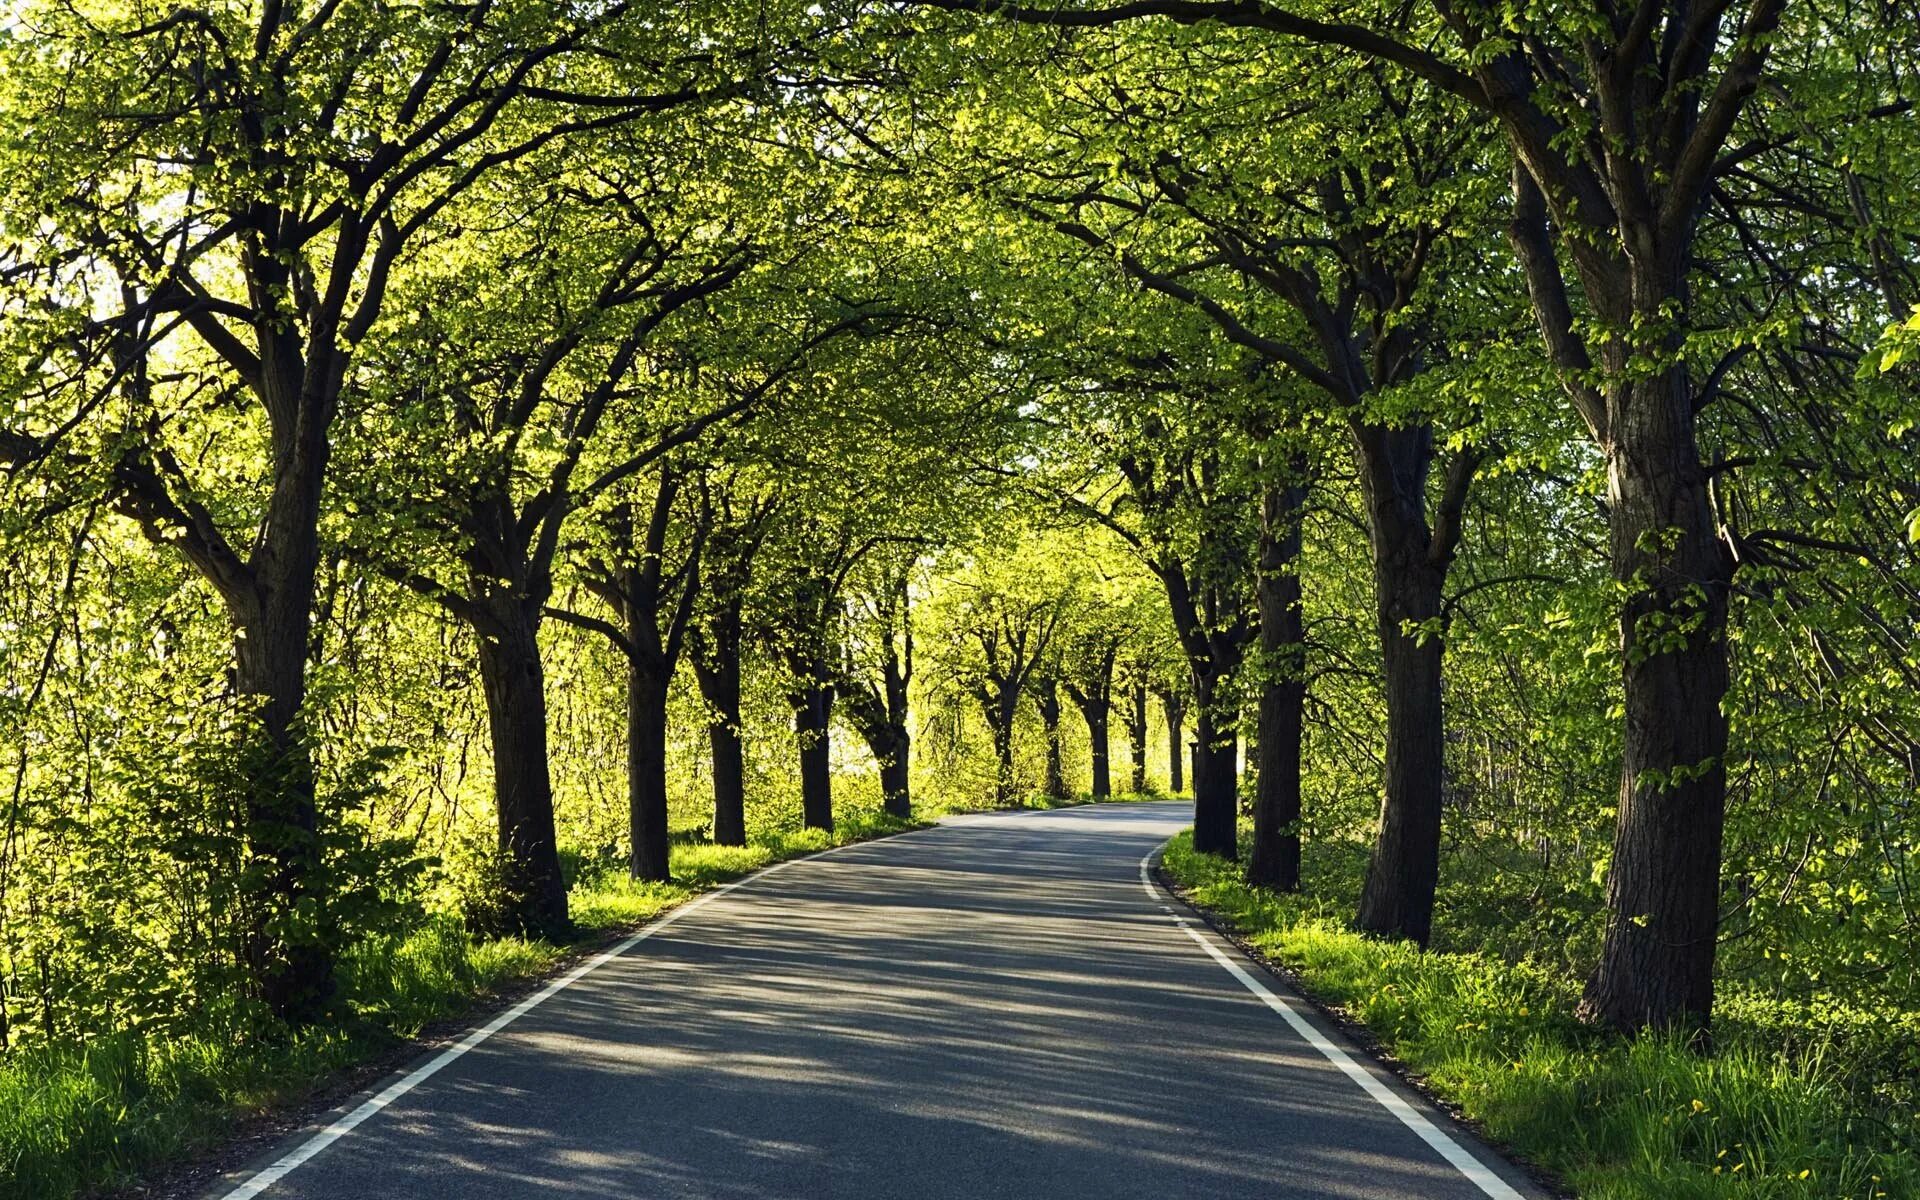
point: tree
(1089, 683)
(280, 188)
(1275, 858)
(1353, 321)
(739, 524)
(1620, 125)
(878, 677)
(498, 448)
(1012, 636)
(654, 607)
(1046, 701)
(1173, 707)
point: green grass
(86, 1118)
(1780, 1110)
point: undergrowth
(82, 1118)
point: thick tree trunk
(1098, 714)
(1398, 899)
(535, 894)
(881, 718)
(1275, 858)
(729, 781)
(1135, 718)
(896, 772)
(1663, 889)
(891, 745)
(896, 795)
(293, 971)
(647, 772)
(271, 606)
(1216, 784)
(812, 727)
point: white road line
(1449, 1149)
(266, 1177)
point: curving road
(997, 1007)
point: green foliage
(949, 333)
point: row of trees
(1048, 621)
(350, 386)
(1456, 409)
(1329, 194)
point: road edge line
(1441, 1142)
(285, 1165)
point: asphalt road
(993, 1008)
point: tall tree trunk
(716, 666)
(896, 774)
(1175, 708)
(890, 743)
(729, 781)
(896, 794)
(880, 714)
(293, 970)
(1097, 716)
(1663, 889)
(812, 726)
(1398, 898)
(1000, 706)
(535, 894)
(271, 605)
(1135, 719)
(1046, 695)
(1275, 858)
(1216, 780)
(647, 772)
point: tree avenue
(471, 476)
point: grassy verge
(1645, 1120)
(86, 1118)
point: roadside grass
(88, 1118)
(1786, 1108)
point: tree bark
(881, 713)
(1663, 890)
(535, 894)
(293, 972)
(812, 726)
(888, 739)
(1097, 715)
(729, 781)
(716, 663)
(647, 772)
(269, 598)
(1275, 858)
(1213, 627)
(1216, 783)
(896, 784)
(1046, 697)
(1000, 708)
(1404, 871)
